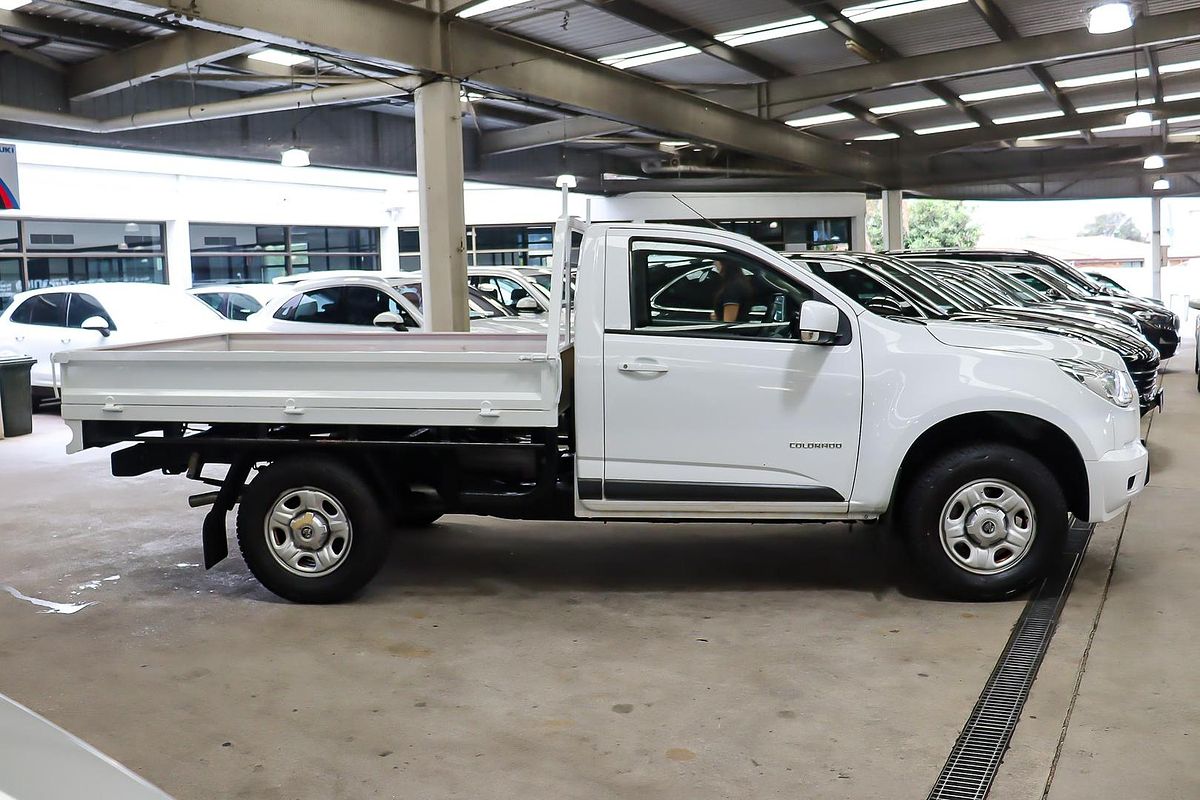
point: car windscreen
(942, 297)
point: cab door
(711, 418)
(40, 330)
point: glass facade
(261, 253)
(35, 254)
(490, 245)
(788, 235)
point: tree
(928, 224)
(1115, 224)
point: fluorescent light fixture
(1139, 119)
(958, 126)
(1153, 162)
(1161, 185)
(912, 105)
(1124, 126)
(294, 157)
(883, 9)
(488, 6)
(651, 55)
(1145, 101)
(1110, 18)
(616, 176)
(13, 5)
(996, 94)
(281, 57)
(821, 119)
(877, 137)
(1028, 117)
(674, 144)
(772, 30)
(1182, 66)
(1188, 118)
(1055, 135)
(1107, 77)
(1171, 98)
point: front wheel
(984, 521)
(311, 532)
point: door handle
(65, 341)
(642, 366)
(19, 338)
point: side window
(319, 306)
(855, 283)
(361, 304)
(503, 290)
(696, 290)
(288, 309)
(84, 306)
(45, 309)
(241, 306)
(23, 313)
(213, 299)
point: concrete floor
(541, 660)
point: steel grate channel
(980, 748)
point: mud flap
(215, 536)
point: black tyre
(984, 521)
(311, 531)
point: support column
(1156, 248)
(177, 245)
(443, 217)
(389, 249)
(892, 205)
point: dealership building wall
(254, 220)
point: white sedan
(350, 304)
(46, 321)
(237, 301)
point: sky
(1055, 219)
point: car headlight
(1113, 385)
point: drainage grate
(980, 748)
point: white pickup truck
(695, 376)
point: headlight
(1113, 385)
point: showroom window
(490, 246)
(787, 235)
(35, 254)
(261, 253)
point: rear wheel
(984, 521)
(311, 532)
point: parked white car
(42, 322)
(237, 301)
(514, 288)
(357, 303)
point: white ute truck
(640, 403)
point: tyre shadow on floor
(470, 557)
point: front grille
(1146, 382)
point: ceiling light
(1055, 135)
(13, 5)
(1153, 162)
(566, 181)
(674, 144)
(294, 157)
(1188, 118)
(132, 227)
(651, 55)
(1027, 117)
(281, 57)
(1114, 106)
(1106, 77)
(877, 137)
(996, 94)
(1139, 119)
(914, 105)
(772, 30)
(958, 126)
(1110, 18)
(883, 9)
(1172, 98)
(1161, 185)
(821, 119)
(617, 176)
(1182, 66)
(488, 6)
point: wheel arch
(1043, 440)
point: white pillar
(892, 205)
(389, 249)
(1156, 248)
(443, 217)
(177, 245)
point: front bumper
(1115, 479)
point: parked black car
(1160, 325)
(892, 287)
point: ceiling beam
(31, 25)
(667, 25)
(30, 54)
(387, 33)
(548, 133)
(156, 58)
(790, 95)
(870, 47)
